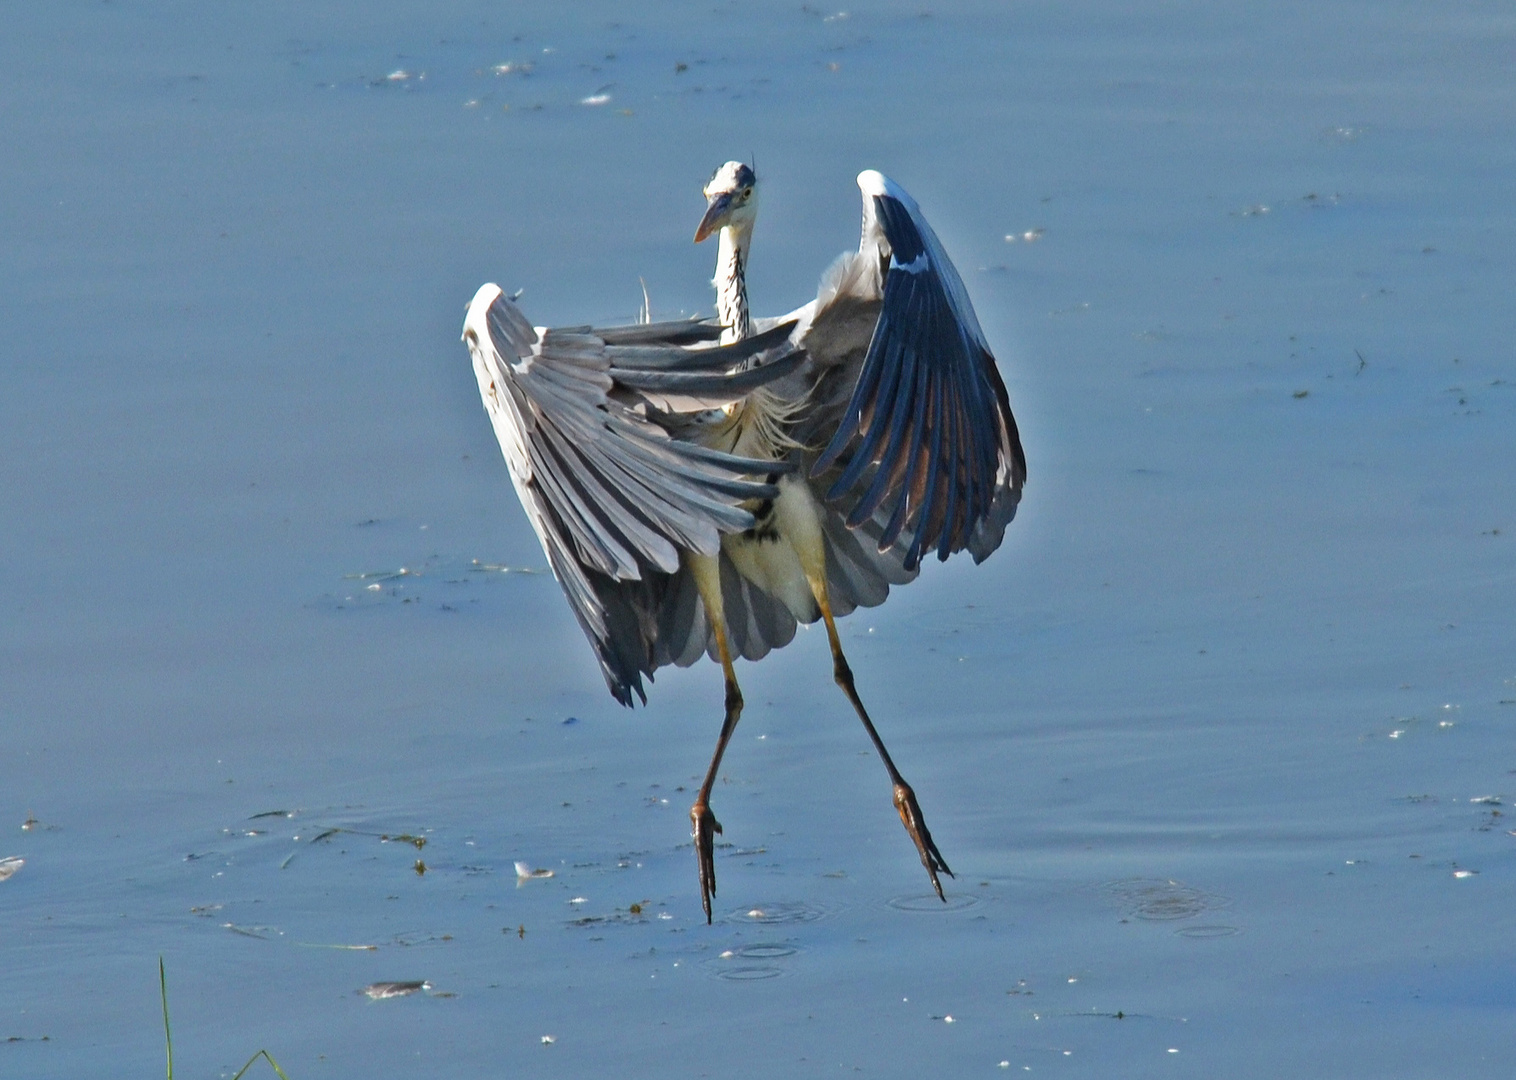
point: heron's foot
(915, 824)
(704, 827)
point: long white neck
(731, 283)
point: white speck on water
(596, 99)
(1173, 1049)
(755, 913)
(948, 1020)
(524, 872)
(728, 954)
(1005, 1064)
(580, 900)
(1464, 873)
(1486, 800)
(375, 587)
(664, 915)
(1397, 733)
(549, 1040)
(398, 75)
(1073, 978)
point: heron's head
(731, 200)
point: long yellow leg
(800, 520)
(703, 823)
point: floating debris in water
(1487, 800)
(549, 1040)
(1464, 873)
(380, 991)
(259, 932)
(501, 568)
(418, 842)
(580, 900)
(398, 75)
(524, 872)
(1031, 236)
(380, 575)
(9, 866)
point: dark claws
(704, 827)
(915, 824)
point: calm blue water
(1220, 742)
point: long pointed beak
(715, 215)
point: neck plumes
(731, 283)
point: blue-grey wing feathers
(926, 451)
(612, 498)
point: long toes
(705, 827)
(915, 825)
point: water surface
(1219, 743)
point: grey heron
(700, 488)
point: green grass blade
(266, 1056)
(168, 1036)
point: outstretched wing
(611, 496)
(926, 451)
